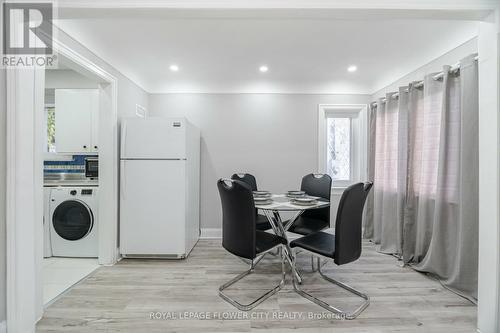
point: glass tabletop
(281, 202)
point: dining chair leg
(274, 254)
(342, 314)
(313, 268)
(260, 299)
(245, 261)
(258, 259)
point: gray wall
(273, 136)
(449, 58)
(3, 136)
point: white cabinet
(77, 113)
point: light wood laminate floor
(123, 297)
(59, 274)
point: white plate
(295, 194)
(304, 201)
(262, 194)
(263, 201)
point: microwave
(92, 167)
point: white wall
(3, 175)
(449, 58)
(488, 317)
(3, 111)
(272, 136)
(66, 78)
(129, 93)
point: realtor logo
(27, 28)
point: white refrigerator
(159, 187)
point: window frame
(358, 164)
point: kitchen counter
(82, 183)
(67, 179)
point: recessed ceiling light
(352, 68)
(174, 68)
(263, 68)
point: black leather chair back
(246, 178)
(238, 218)
(349, 223)
(249, 180)
(317, 186)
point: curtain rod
(420, 84)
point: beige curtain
(368, 230)
(425, 171)
(388, 177)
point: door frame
(108, 152)
(488, 315)
(24, 206)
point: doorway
(70, 185)
(27, 144)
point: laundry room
(71, 179)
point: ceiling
(221, 53)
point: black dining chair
(241, 238)
(261, 220)
(318, 185)
(343, 247)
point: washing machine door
(72, 220)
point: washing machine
(73, 227)
(47, 247)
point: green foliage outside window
(51, 129)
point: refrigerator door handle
(122, 179)
(123, 138)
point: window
(342, 143)
(338, 152)
(50, 117)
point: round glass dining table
(282, 203)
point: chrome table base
(280, 230)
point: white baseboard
(3, 327)
(211, 233)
